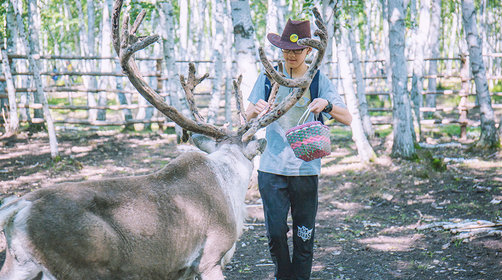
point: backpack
(314, 90)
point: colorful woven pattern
(309, 141)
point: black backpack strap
(314, 86)
(314, 92)
(268, 86)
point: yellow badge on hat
(293, 38)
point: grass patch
(339, 132)
(58, 101)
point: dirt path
(369, 220)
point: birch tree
(13, 125)
(328, 8)
(366, 153)
(183, 29)
(385, 40)
(34, 24)
(28, 40)
(360, 85)
(244, 42)
(218, 51)
(171, 85)
(417, 80)
(87, 49)
(106, 51)
(229, 57)
(15, 44)
(434, 39)
(272, 25)
(489, 137)
(403, 145)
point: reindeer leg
(20, 263)
(13, 269)
(48, 276)
(217, 245)
(215, 273)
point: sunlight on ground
(392, 243)
(339, 168)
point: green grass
(58, 101)
(383, 132)
(339, 132)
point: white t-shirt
(278, 157)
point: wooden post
(464, 93)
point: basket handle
(304, 117)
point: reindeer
(181, 222)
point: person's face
(294, 58)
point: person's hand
(260, 108)
(317, 105)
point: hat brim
(275, 39)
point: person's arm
(254, 110)
(338, 113)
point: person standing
(286, 182)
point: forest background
(71, 44)
(424, 84)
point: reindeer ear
(204, 143)
(254, 147)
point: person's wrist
(328, 108)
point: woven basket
(309, 140)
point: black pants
(279, 194)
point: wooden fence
(68, 97)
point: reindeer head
(127, 43)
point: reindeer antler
(126, 44)
(300, 84)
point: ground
(371, 219)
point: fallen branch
(467, 229)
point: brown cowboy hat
(293, 31)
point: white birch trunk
(183, 28)
(32, 58)
(386, 50)
(434, 38)
(244, 42)
(86, 47)
(106, 51)
(417, 80)
(10, 29)
(171, 85)
(17, 45)
(329, 18)
(368, 42)
(489, 137)
(34, 24)
(13, 125)
(366, 153)
(229, 57)
(218, 50)
(360, 84)
(195, 30)
(272, 26)
(403, 145)
(453, 43)
(91, 38)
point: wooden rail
(157, 74)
